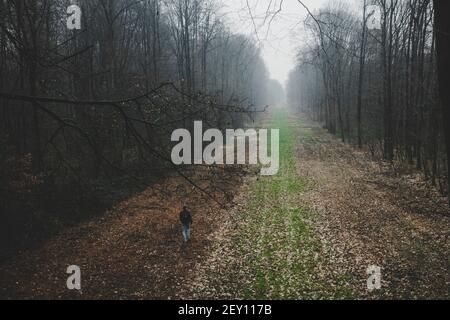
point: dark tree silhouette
(442, 30)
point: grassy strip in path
(284, 257)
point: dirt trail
(134, 251)
(370, 216)
(350, 213)
(309, 233)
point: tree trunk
(362, 61)
(442, 29)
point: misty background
(278, 28)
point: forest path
(312, 231)
(309, 232)
(134, 251)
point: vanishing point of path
(310, 232)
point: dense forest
(372, 78)
(82, 107)
(94, 206)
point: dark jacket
(185, 218)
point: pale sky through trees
(280, 41)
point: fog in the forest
(279, 32)
(124, 123)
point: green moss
(285, 253)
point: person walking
(186, 222)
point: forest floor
(309, 232)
